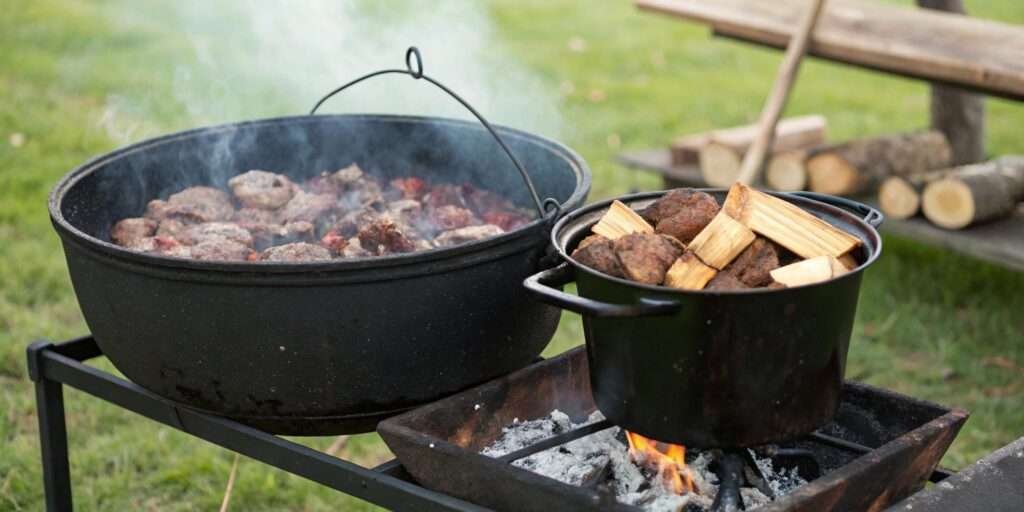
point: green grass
(75, 84)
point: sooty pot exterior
(713, 369)
(313, 348)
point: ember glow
(668, 461)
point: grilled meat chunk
(296, 252)
(598, 253)
(467, 234)
(214, 230)
(753, 265)
(197, 204)
(646, 257)
(382, 236)
(681, 213)
(219, 249)
(725, 282)
(262, 189)
(127, 231)
(307, 207)
(450, 217)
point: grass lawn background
(78, 78)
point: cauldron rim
(227, 269)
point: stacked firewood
(957, 197)
(912, 172)
(686, 240)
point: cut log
(787, 224)
(719, 164)
(619, 221)
(786, 171)
(791, 133)
(975, 193)
(809, 271)
(860, 165)
(721, 241)
(900, 196)
(689, 273)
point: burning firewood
(689, 273)
(721, 241)
(787, 224)
(809, 271)
(619, 221)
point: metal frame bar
(52, 366)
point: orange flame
(669, 463)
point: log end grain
(830, 173)
(719, 164)
(786, 171)
(898, 198)
(948, 203)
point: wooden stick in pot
(753, 161)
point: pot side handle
(872, 216)
(546, 286)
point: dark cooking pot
(315, 348)
(714, 369)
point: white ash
(582, 462)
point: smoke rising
(236, 60)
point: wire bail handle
(548, 209)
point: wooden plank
(919, 43)
(1000, 242)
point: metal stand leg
(53, 437)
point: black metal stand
(52, 366)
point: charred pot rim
(391, 266)
(576, 225)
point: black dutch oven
(714, 369)
(317, 348)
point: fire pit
(494, 444)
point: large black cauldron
(314, 348)
(714, 369)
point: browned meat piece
(405, 207)
(687, 222)
(163, 245)
(675, 201)
(298, 251)
(484, 201)
(591, 239)
(350, 223)
(646, 257)
(450, 217)
(348, 176)
(219, 249)
(255, 216)
(467, 234)
(383, 236)
(776, 286)
(307, 207)
(446, 194)
(410, 188)
(334, 243)
(127, 231)
(753, 265)
(197, 204)
(156, 209)
(725, 282)
(198, 233)
(262, 189)
(507, 220)
(173, 228)
(598, 253)
(354, 249)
